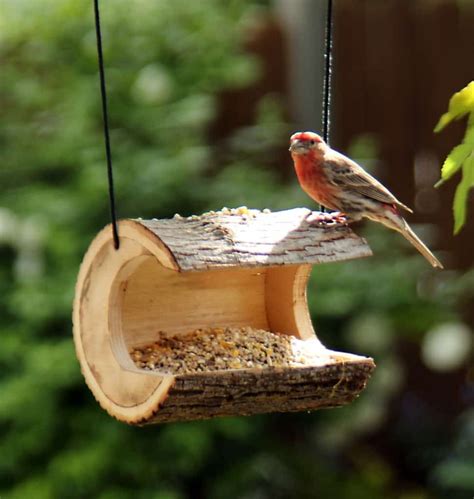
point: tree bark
(258, 239)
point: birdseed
(242, 211)
(215, 349)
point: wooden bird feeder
(220, 270)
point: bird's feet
(328, 219)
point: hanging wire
(105, 117)
(326, 117)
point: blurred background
(203, 96)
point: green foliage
(462, 156)
(461, 104)
(455, 472)
(462, 191)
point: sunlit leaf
(461, 103)
(470, 120)
(443, 121)
(469, 137)
(461, 195)
(453, 162)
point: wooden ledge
(335, 383)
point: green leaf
(453, 162)
(462, 192)
(469, 136)
(461, 103)
(470, 120)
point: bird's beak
(298, 146)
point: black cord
(327, 74)
(105, 117)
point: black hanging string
(105, 117)
(326, 118)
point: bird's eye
(312, 142)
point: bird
(340, 184)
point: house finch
(340, 184)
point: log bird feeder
(242, 270)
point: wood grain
(268, 239)
(247, 392)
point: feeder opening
(174, 322)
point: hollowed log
(220, 270)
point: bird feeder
(241, 269)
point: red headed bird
(340, 184)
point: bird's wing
(347, 174)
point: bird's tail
(408, 234)
(393, 220)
